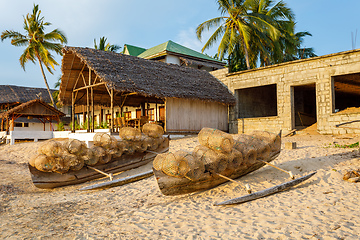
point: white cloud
(189, 39)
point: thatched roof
(129, 74)
(35, 108)
(17, 94)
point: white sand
(324, 207)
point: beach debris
(352, 176)
(266, 192)
(290, 145)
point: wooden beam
(90, 86)
(77, 80)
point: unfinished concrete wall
(319, 72)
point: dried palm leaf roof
(17, 94)
(34, 108)
(129, 74)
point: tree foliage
(106, 46)
(38, 43)
(254, 32)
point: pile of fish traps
(218, 152)
(72, 154)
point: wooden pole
(92, 104)
(247, 186)
(73, 111)
(280, 169)
(112, 111)
(12, 123)
(88, 105)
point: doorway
(303, 106)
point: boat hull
(175, 186)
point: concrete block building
(323, 92)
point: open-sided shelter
(32, 109)
(191, 98)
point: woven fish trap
(51, 148)
(75, 146)
(101, 154)
(261, 146)
(130, 147)
(153, 130)
(176, 164)
(105, 140)
(216, 140)
(214, 162)
(197, 169)
(157, 163)
(249, 154)
(62, 163)
(89, 157)
(143, 144)
(76, 162)
(273, 139)
(130, 134)
(42, 162)
(153, 143)
(235, 159)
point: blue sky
(147, 23)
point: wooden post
(73, 111)
(101, 118)
(88, 106)
(12, 123)
(112, 111)
(92, 104)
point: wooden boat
(123, 163)
(170, 185)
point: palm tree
(240, 25)
(106, 47)
(55, 94)
(38, 43)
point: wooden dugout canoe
(169, 185)
(125, 162)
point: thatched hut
(184, 99)
(34, 109)
(12, 96)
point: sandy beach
(324, 207)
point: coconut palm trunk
(46, 83)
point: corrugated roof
(133, 50)
(173, 47)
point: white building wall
(172, 59)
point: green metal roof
(171, 46)
(133, 50)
